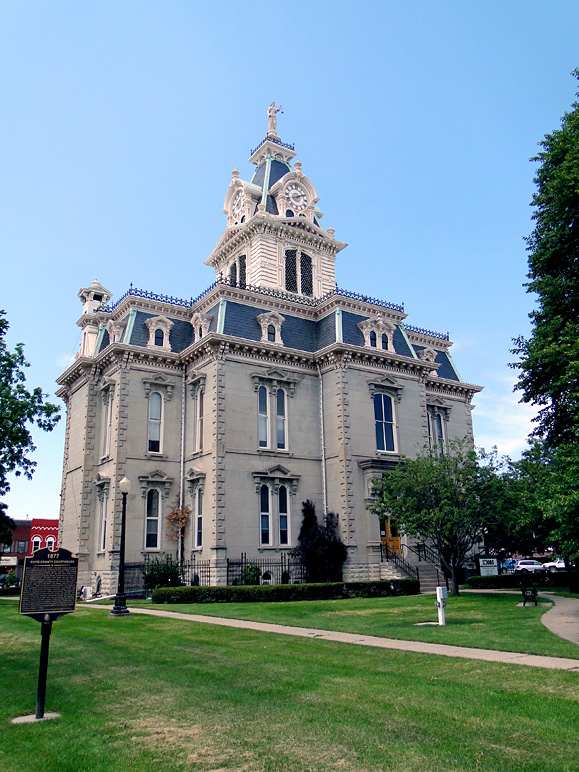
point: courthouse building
(272, 387)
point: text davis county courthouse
(272, 387)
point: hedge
(513, 581)
(9, 591)
(285, 592)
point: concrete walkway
(570, 612)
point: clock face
(237, 204)
(296, 196)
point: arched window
(36, 542)
(199, 517)
(291, 271)
(159, 337)
(289, 213)
(280, 419)
(385, 342)
(436, 438)
(50, 540)
(384, 422)
(155, 419)
(152, 520)
(373, 339)
(271, 333)
(264, 515)
(263, 417)
(200, 332)
(242, 272)
(283, 515)
(233, 275)
(306, 274)
(104, 502)
(107, 421)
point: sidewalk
(566, 618)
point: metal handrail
(389, 554)
(432, 558)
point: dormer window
(270, 324)
(159, 331)
(200, 324)
(376, 328)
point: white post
(441, 596)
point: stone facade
(273, 387)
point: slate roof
(446, 370)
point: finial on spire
(272, 120)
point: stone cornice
(301, 231)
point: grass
(487, 621)
(142, 693)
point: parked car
(555, 565)
(530, 567)
(509, 565)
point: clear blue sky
(122, 122)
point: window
(373, 339)
(283, 515)
(107, 421)
(155, 418)
(264, 516)
(298, 272)
(242, 272)
(152, 520)
(233, 275)
(36, 542)
(200, 411)
(104, 505)
(436, 439)
(385, 342)
(50, 542)
(280, 419)
(263, 417)
(21, 547)
(199, 523)
(271, 333)
(159, 337)
(384, 421)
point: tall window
(233, 275)
(283, 515)
(155, 417)
(280, 419)
(152, 520)
(242, 272)
(36, 541)
(200, 412)
(107, 421)
(263, 417)
(373, 339)
(298, 272)
(104, 505)
(159, 337)
(264, 515)
(385, 342)
(199, 519)
(50, 542)
(435, 432)
(271, 333)
(384, 421)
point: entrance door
(390, 534)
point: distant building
(29, 536)
(272, 387)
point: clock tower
(274, 238)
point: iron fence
(278, 570)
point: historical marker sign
(49, 584)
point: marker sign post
(48, 592)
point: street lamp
(120, 607)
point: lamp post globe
(120, 607)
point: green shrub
(251, 574)
(513, 581)
(285, 592)
(162, 572)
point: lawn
(484, 620)
(140, 693)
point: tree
(549, 359)
(177, 522)
(319, 547)
(20, 409)
(449, 500)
